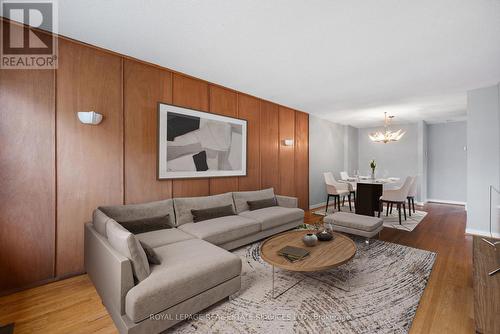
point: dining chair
(351, 182)
(396, 196)
(411, 196)
(336, 190)
(345, 177)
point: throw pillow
(151, 255)
(211, 213)
(126, 244)
(146, 224)
(261, 203)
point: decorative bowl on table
(324, 236)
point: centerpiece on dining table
(373, 165)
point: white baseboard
(444, 201)
(315, 206)
(482, 233)
(319, 205)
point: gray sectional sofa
(196, 268)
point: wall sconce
(288, 142)
(89, 117)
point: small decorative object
(373, 165)
(324, 236)
(318, 224)
(310, 239)
(328, 228)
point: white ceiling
(347, 61)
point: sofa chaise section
(193, 273)
(188, 268)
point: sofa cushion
(149, 224)
(183, 206)
(274, 216)
(100, 219)
(163, 237)
(188, 268)
(126, 244)
(211, 213)
(354, 221)
(223, 229)
(242, 197)
(130, 212)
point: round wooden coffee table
(325, 255)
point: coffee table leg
(338, 287)
(273, 284)
(274, 296)
(349, 279)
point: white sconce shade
(89, 117)
(288, 142)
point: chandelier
(387, 135)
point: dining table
(368, 192)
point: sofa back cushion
(241, 198)
(135, 212)
(183, 206)
(100, 219)
(129, 246)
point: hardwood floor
(73, 306)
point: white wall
(351, 150)
(447, 162)
(483, 156)
(332, 148)
(395, 159)
(422, 157)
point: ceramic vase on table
(310, 239)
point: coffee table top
(325, 255)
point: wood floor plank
(73, 306)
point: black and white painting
(198, 144)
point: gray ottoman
(352, 223)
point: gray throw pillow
(261, 203)
(211, 213)
(144, 225)
(153, 258)
(126, 243)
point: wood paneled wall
(55, 170)
(89, 158)
(27, 177)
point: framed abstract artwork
(194, 143)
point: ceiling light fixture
(387, 135)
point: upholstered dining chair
(411, 196)
(345, 177)
(351, 182)
(336, 190)
(396, 196)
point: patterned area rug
(376, 292)
(391, 221)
